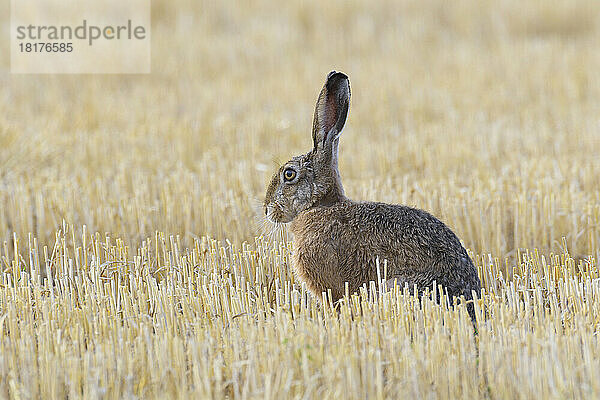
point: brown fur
(337, 240)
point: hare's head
(313, 179)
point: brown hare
(337, 240)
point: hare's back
(399, 221)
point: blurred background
(485, 113)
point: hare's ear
(330, 112)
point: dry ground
(485, 113)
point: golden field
(135, 260)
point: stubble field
(135, 261)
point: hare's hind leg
(403, 282)
(400, 281)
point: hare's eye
(289, 174)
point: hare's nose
(266, 210)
